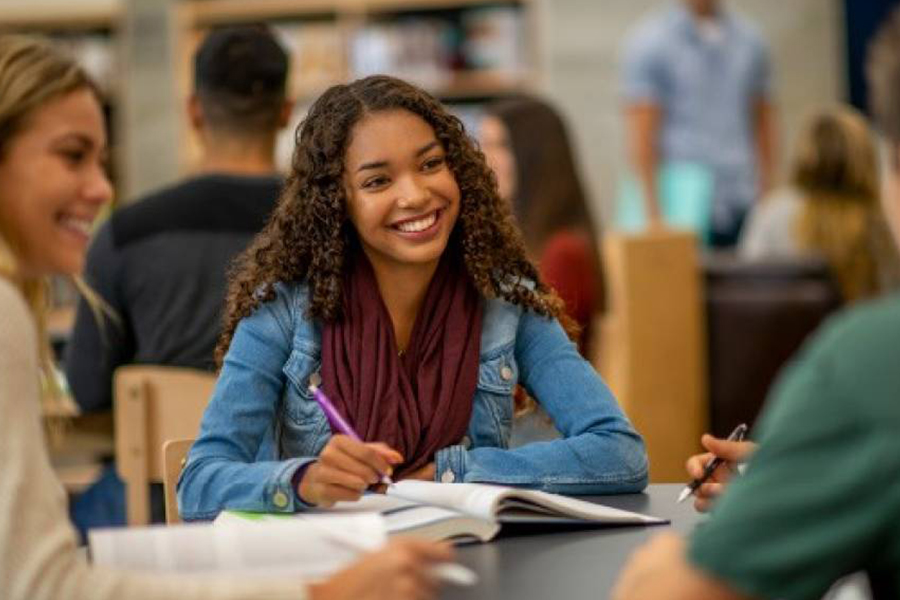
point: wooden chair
(174, 456)
(653, 343)
(153, 404)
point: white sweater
(38, 557)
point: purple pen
(338, 421)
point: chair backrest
(174, 455)
(653, 353)
(758, 314)
(153, 404)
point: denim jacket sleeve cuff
(281, 497)
(450, 464)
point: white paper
(311, 545)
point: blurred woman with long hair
(830, 209)
(527, 145)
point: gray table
(569, 565)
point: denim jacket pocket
(497, 377)
(305, 426)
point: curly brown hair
(310, 238)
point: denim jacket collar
(498, 330)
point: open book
(468, 511)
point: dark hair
(309, 237)
(240, 74)
(549, 195)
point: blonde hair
(836, 170)
(33, 73)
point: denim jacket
(262, 424)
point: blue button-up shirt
(707, 82)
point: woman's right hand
(398, 572)
(344, 469)
(734, 453)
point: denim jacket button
(315, 379)
(465, 442)
(448, 476)
(280, 499)
(506, 373)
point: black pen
(736, 436)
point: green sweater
(821, 497)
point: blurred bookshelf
(463, 51)
(59, 15)
(86, 30)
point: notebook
(466, 511)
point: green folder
(685, 193)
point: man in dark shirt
(161, 263)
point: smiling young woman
(392, 272)
(403, 201)
(52, 184)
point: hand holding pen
(710, 471)
(347, 466)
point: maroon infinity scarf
(421, 401)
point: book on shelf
(462, 511)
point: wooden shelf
(460, 86)
(61, 15)
(481, 84)
(395, 6)
(219, 12)
(222, 12)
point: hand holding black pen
(714, 463)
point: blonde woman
(52, 184)
(830, 209)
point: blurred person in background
(527, 145)
(161, 263)
(52, 185)
(696, 87)
(830, 209)
(820, 497)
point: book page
(474, 499)
(411, 518)
(491, 501)
(369, 503)
(569, 507)
(400, 517)
(310, 546)
(437, 523)
(381, 503)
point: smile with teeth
(77, 225)
(418, 225)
